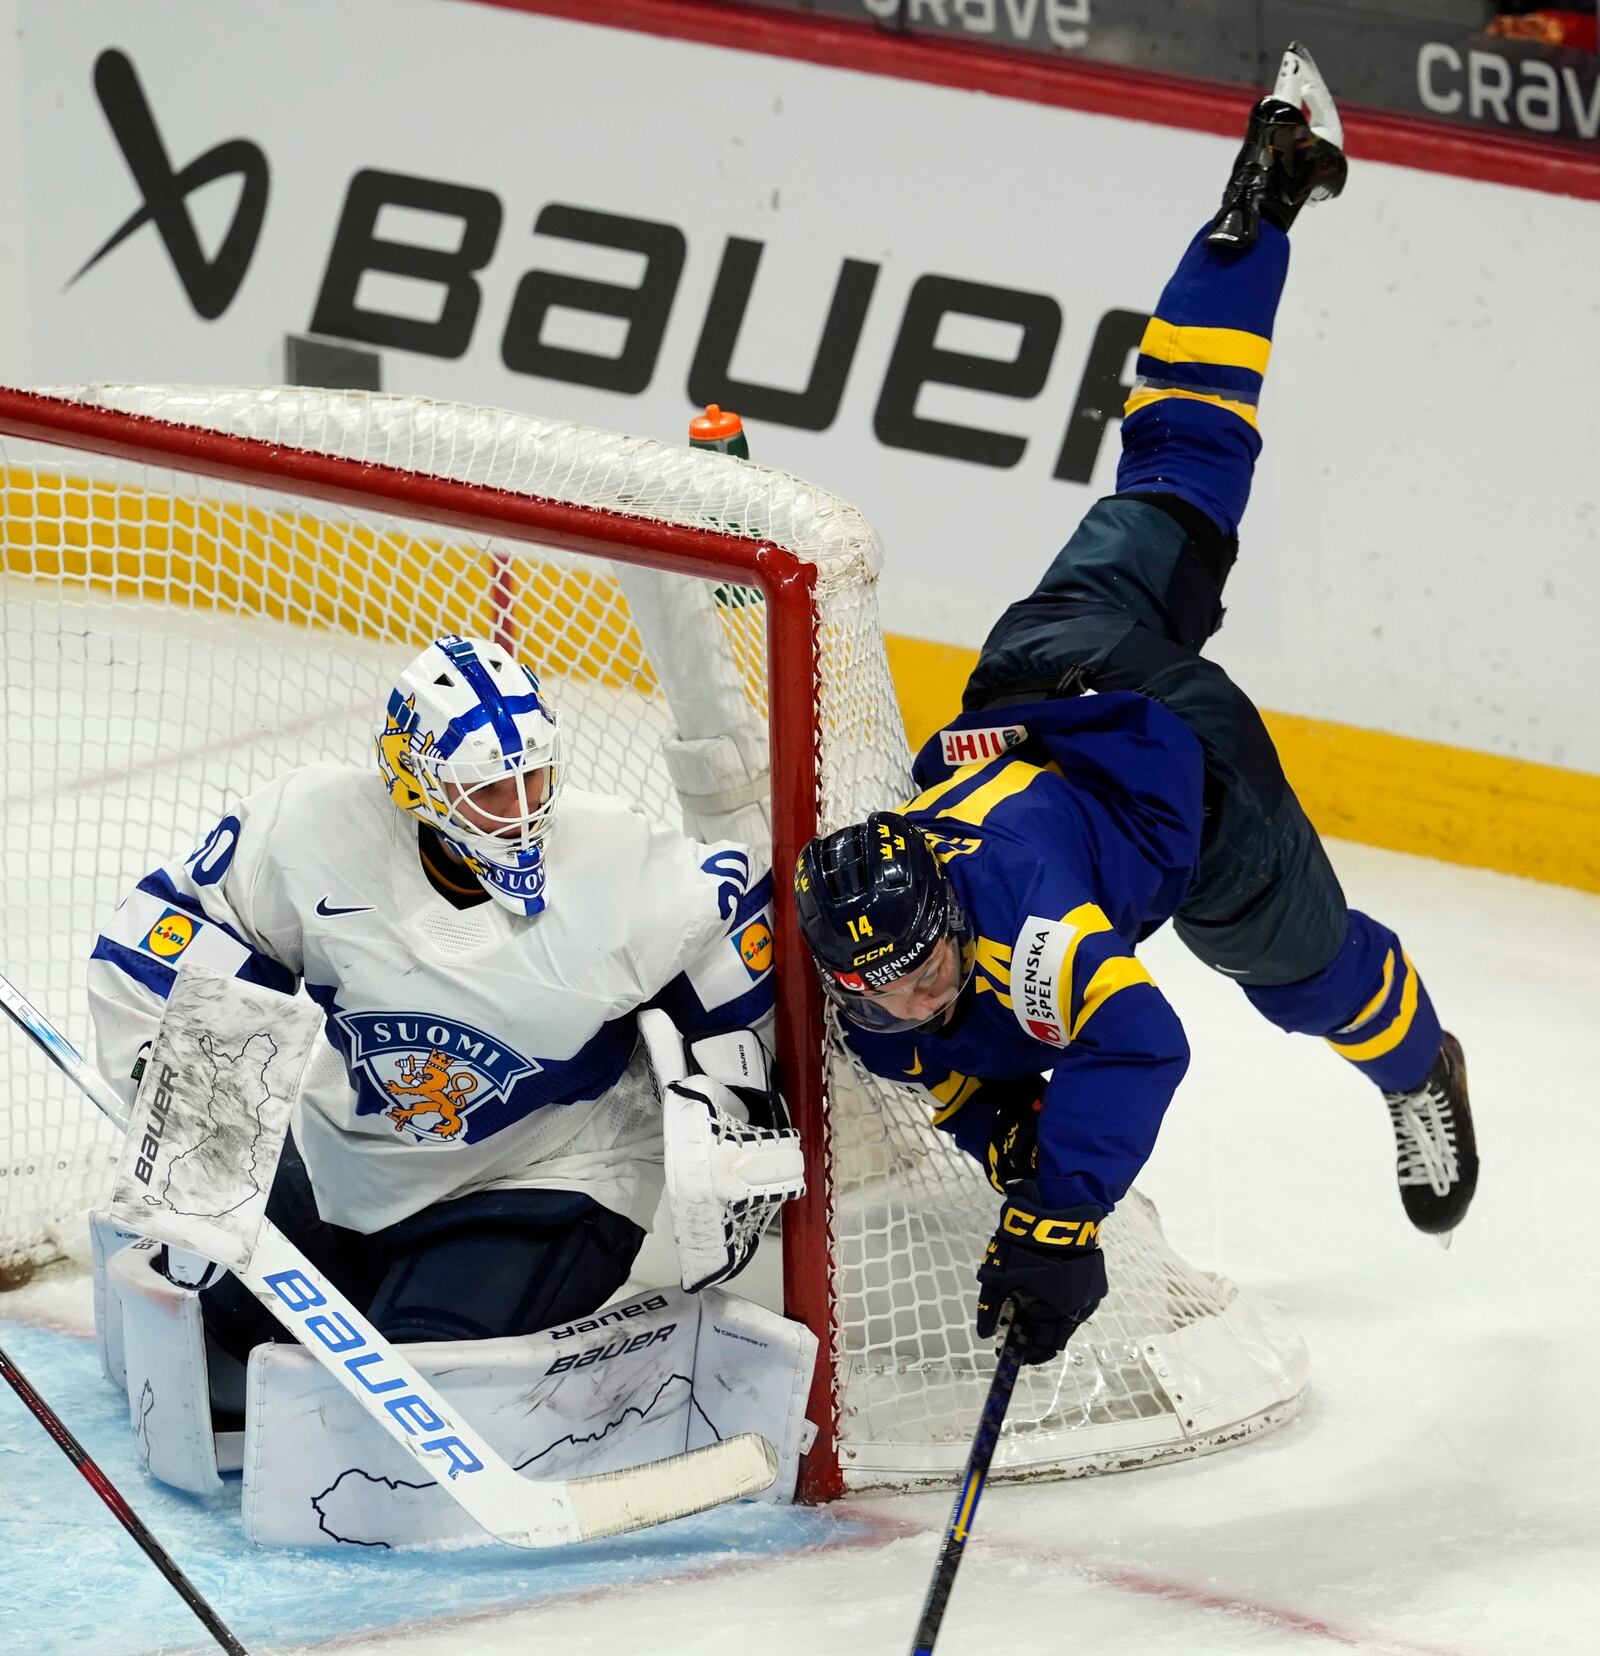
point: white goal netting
(172, 641)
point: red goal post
(184, 529)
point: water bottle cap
(716, 425)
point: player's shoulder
(322, 797)
(655, 869)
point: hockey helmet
(873, 904)
(469, 745)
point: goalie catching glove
(732, 1159)
(1047, 1262)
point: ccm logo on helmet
(1052, 1233)
(965, 747)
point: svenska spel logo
(170, 935)
(755, 947)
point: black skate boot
(1436, 1153)
(1292, 154)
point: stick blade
(614, 1503)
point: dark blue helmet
(874, 903)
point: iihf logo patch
(970, 747)
(428, 1074)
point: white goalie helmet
(469, 745)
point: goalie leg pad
(164, 1352)
(107, 1238)
(656, 1375)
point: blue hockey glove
(1047, 1262)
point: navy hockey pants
(493, 1263)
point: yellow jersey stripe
(1086, 920)
(1377, 1000)
(1117, 973)
(1226, 347)
(969, 1085)
(1388, 1039)
(1143, 399)
(985, 986)
(1006, 784)
(933, 795)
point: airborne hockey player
(478, 1150)
(982, 939)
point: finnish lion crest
(427, 1074)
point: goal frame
(786, 582)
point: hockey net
(204, 588)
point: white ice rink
(1439, 1495)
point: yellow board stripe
(1224, 347)
(1388, 1039)
(1011, 780)
(1143, 399)
(1455, 804)
(1119, 972)
(1377, 1000)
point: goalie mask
(470, 747)
(881, 920)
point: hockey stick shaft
(125, 1515)
(973, 1479)
(388, 1388)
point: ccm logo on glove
(1047, 1263)
(1049, 1232)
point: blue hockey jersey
(1070, 830)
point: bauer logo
(211, 282)
(428, 1074)
(967, 747)
(1036, 978)
(170, 935)
(618, 1347)
(755, 948)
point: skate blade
(1445, 1238)
(1300, 83)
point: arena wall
(921, 295)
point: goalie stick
(516, 1510)
(125, 1515)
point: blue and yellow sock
(1368, 1003)
(1189, 427)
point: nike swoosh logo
(916, 1065)
(329, 911)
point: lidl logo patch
(170, 935)
(755, 947)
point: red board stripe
(1095, 89)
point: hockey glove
(1013, 1149)
(1047, 1262)
(732, 1159)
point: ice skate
(1436, 1153)
(1292, 153)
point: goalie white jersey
(470, 1049)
